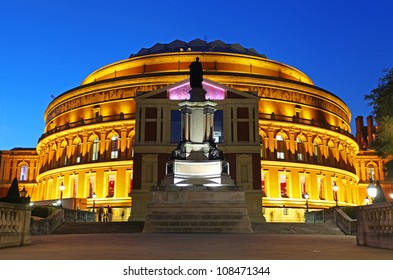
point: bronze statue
(196, 74)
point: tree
(381, 101)
(13, 195)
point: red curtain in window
(111, 188)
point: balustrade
(375, 225)
(14, 225)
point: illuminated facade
(20, 163)
(285, 139)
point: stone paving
(152, 246)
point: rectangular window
(303, 186)
(94, 155)
(150, 131)
(320, 188)
(151, 113)
(175, 126)
(218, 126)
(283, 185)
(243, 131)
(111, 186)
(91, 186)
(75, 186)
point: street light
(335, 190)
(62, 188)
(23, 194)
(367, 200)
(372, 190)
(306, 197)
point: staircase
(97, 227)
(327, 228)
(258, 228)
(200, 217)
(198, 209)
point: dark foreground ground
(144, 246)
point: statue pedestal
(197, 193)
(197, 209)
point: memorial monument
(197, 193)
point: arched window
(371, 172)
(23, 173)
(316, 150)
(114, 147)
(280, 147)
(299, 149)
(78, 152)
(94, 150)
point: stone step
(297, 228)
(99, 227)
(209, 217)
(259, 228)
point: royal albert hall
(287, 141)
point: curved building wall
(305, 139)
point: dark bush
(350, 211)
(42, 211)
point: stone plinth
(198, 209)
(193, 172)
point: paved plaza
(143, 246)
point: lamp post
(23, 194)
(335, 190)
(94, 201)
(367, 200)
(306, 197)
(62, 188)
(372, 190)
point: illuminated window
(263, 184)
(23, 173)
(371, 172)
(111, 186)
(280, 147)
(283, 185)
(299, 149)
(321, 191)
(114, 147)
(91, 186)
(94, 150)
(303, 185)
(262, 149)
(131, 184)
(218, 126)
(78, 152)
(75, 186)
(316, 150)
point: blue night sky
(48, 47)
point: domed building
(287, 141)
